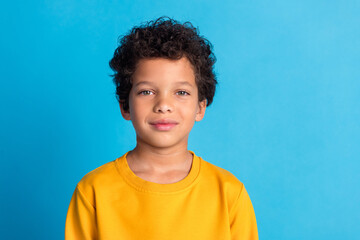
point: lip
(163, 124)
(164, 121)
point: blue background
(285, 118)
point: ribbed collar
(151, 187)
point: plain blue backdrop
(285, 118)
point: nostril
(163, 108)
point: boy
(160, 190)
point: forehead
(161, 70)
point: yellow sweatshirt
(111, 202)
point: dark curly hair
(163, 38)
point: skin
(163, 89)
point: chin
(162, 142)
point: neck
(145, 158)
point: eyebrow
(177, 83)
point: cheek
(190, 111)
(138, 110)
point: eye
(145, 92)
(182, 93)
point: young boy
(161, 190)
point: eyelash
(185, 93)
(141, 92)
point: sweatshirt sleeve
(80, 219)
(242, 218)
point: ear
(124, 113)
(201, 111)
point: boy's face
(163, 102)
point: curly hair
(163, 38)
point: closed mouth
(164, 122)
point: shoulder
(221, 183)
(216, 175)
(219, 173)
(99, 175)
(100, 182)
(100, 179)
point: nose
(163, 105)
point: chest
(193, 214)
